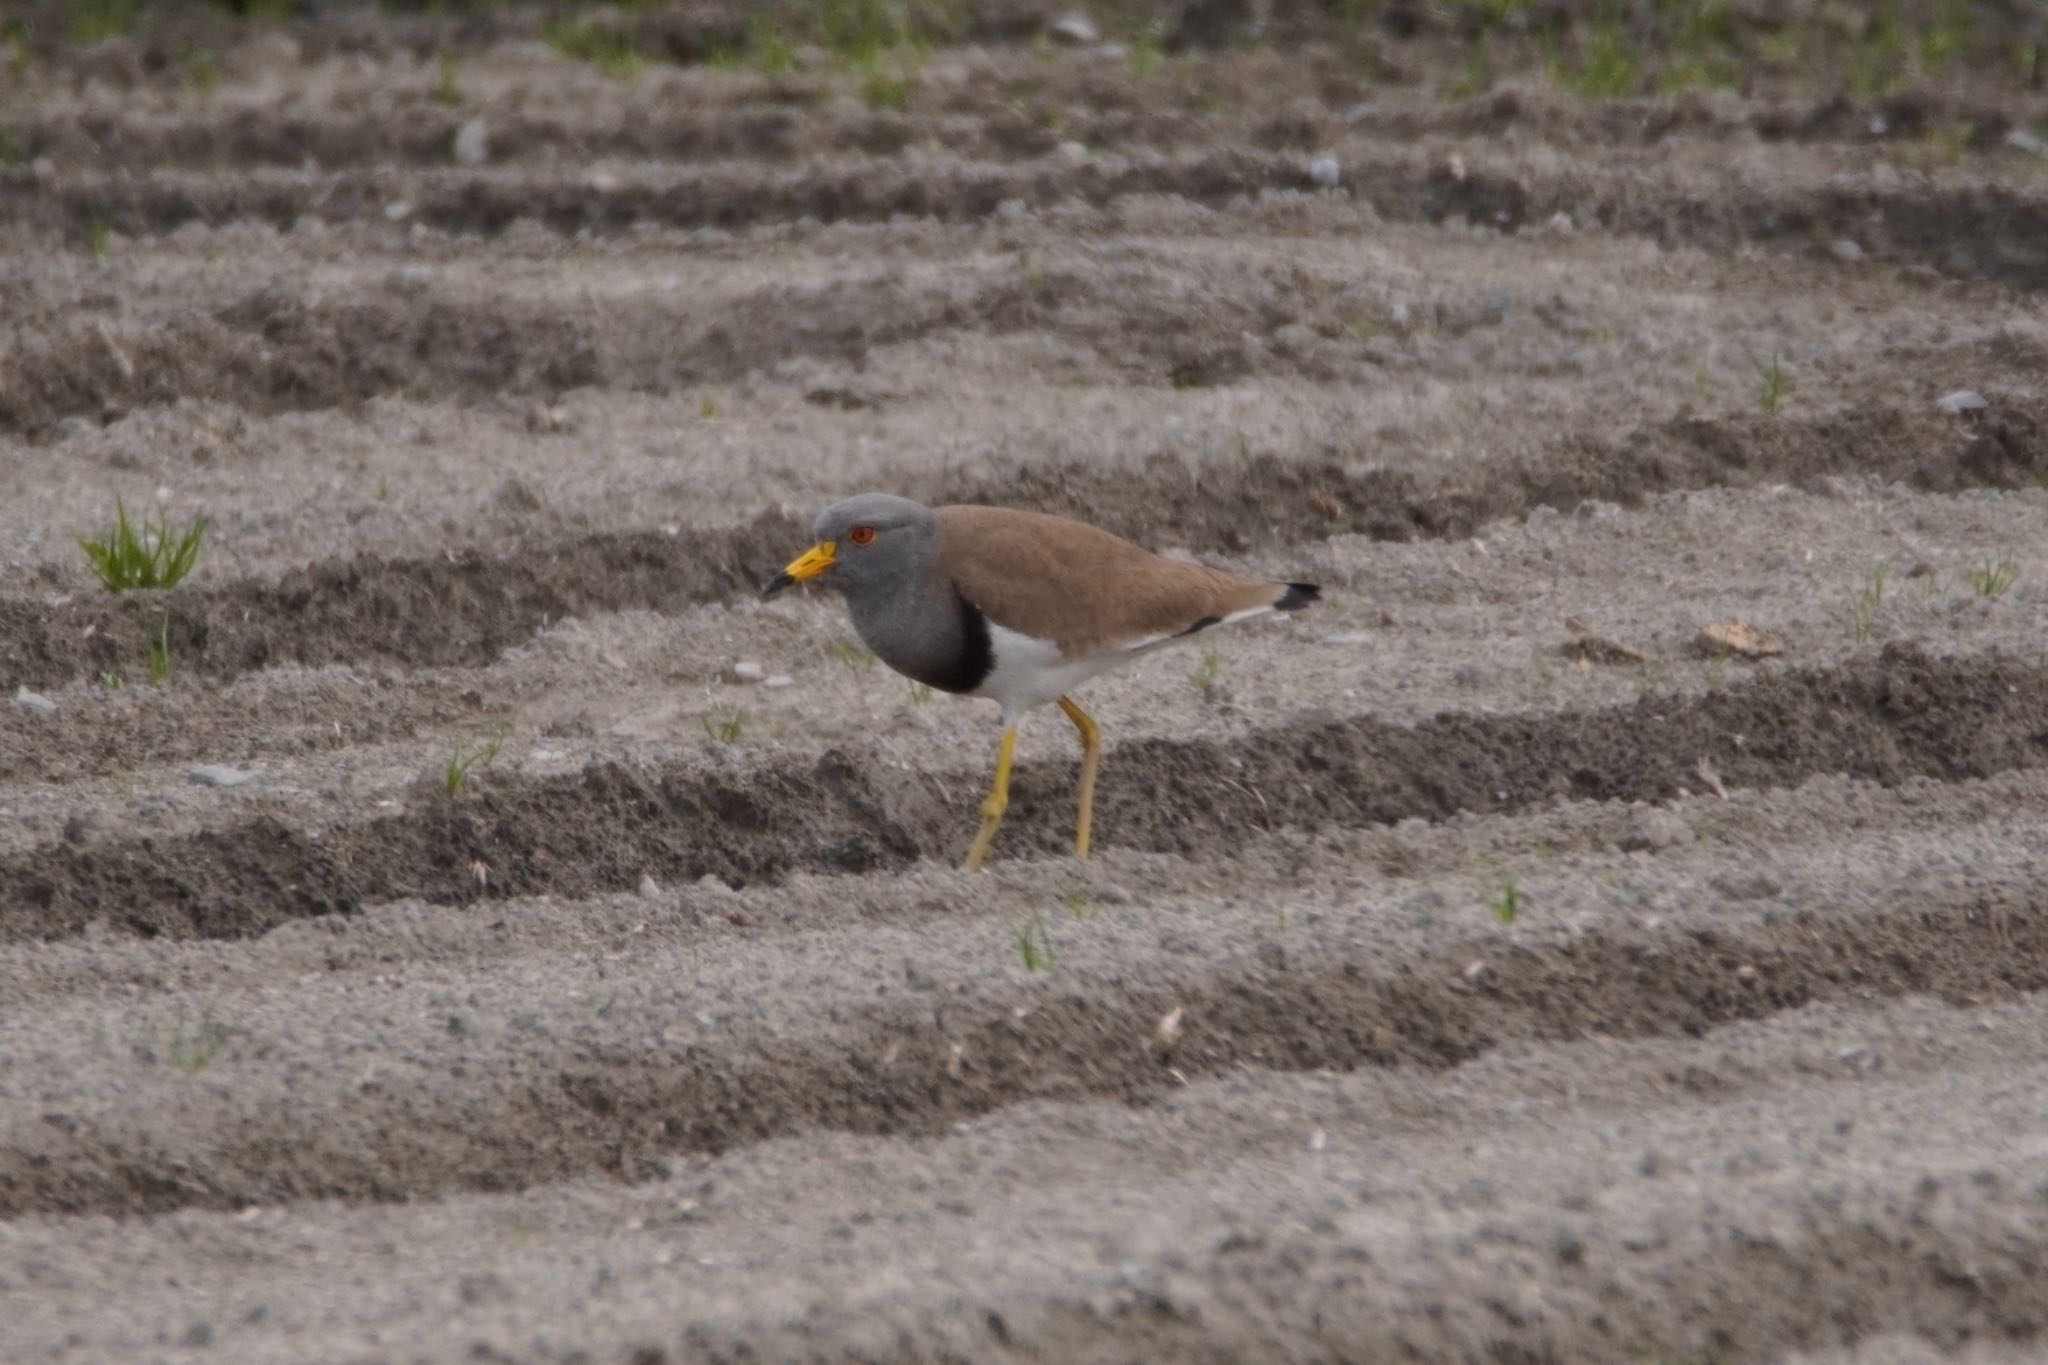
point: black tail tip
(1298, 595)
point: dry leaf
(1739, 637)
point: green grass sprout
(145, 554)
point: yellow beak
(805, 566)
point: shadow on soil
(1887, 718)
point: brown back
(1079, 587)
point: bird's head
(872, 539)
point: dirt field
(1472, 967)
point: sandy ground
(1474, 967)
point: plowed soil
(421, 937)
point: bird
(1017, 606)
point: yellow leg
(1091, 758)
(998, 802)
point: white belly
(1030, 672)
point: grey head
(870, 546)
(883, 553)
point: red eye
(861, 535)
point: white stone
(219, 775)
(1325, 171)
(34, 701)
(473, 142)
(1077, 29)
(2027, 142)
(746, 670)
(1961, 401)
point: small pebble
(778, 680)
(746, 670)
(1961, 401)
(1846, 250)
(473, 142)
(219, 775)
(1077, 29)
(649, 888)
(398, 211)
(2027, 142)
(1325, 171)
(1073, 153)
(34, 701)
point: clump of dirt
(1875, 718)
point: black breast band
(976, 658)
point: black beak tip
(777, 584)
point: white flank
(1029, 672)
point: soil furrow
(624, 1109)
(465, 609)
(730, 197)
(1747, 1296)
(1023, 112)
(290, 348)
(1855, 1200)
(446, 610)
(1885, 718)
(272, 353)
(1983, 230)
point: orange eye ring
(861, 535)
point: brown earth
(543, 987)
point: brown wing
(1082, 588)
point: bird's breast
(941, 640)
